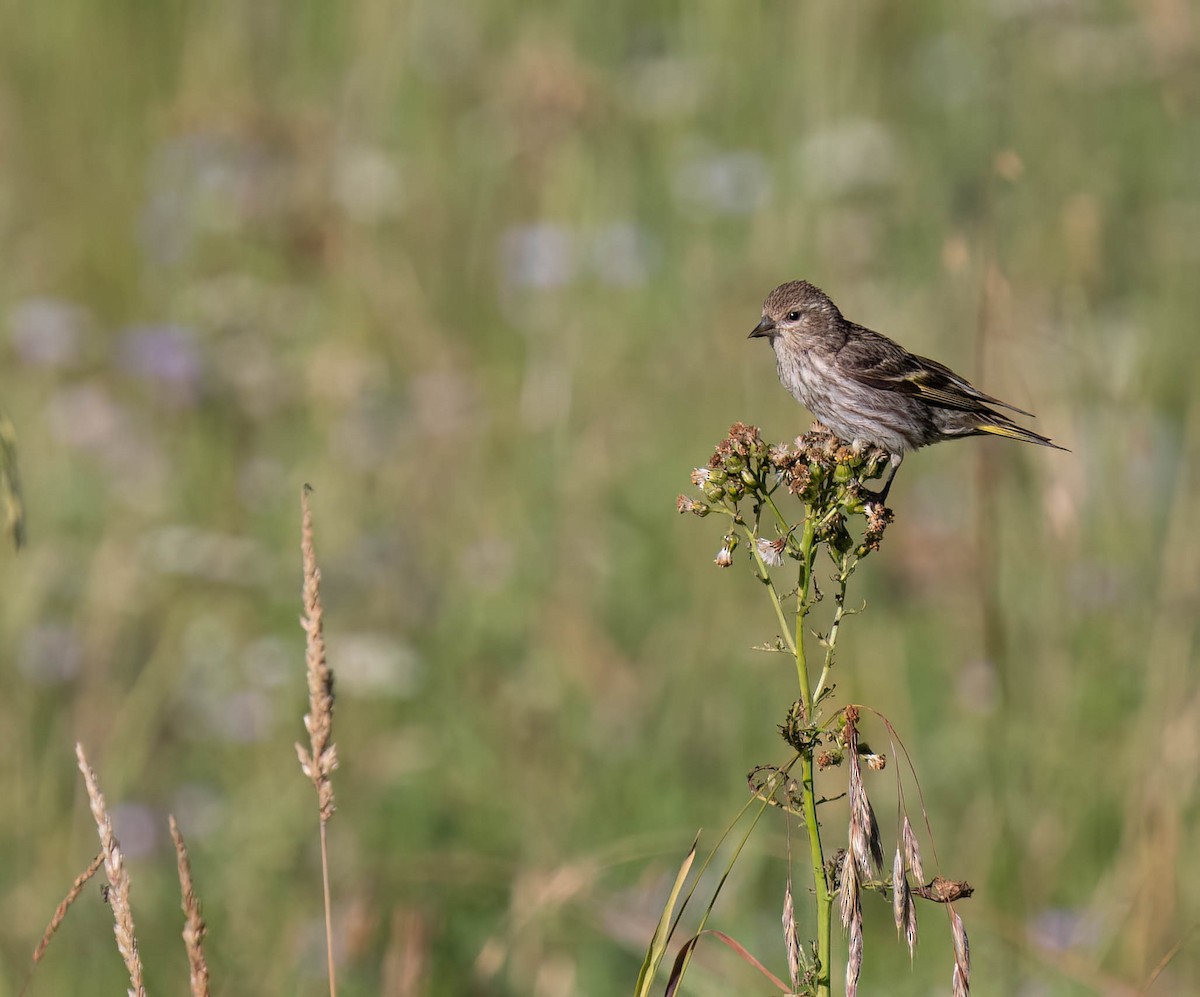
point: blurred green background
(482, 273)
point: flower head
(771, 551)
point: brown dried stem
(60, 912)
(319, 759)
(194, 928)
(118, 879)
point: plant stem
(328, 910)
(765, 574)
(846, 568)
(807, 790)
(820, 883)
(807, 555)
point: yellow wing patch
(1010, 433)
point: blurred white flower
(84, 416)
(374, 664)
(47, 331)
(539, 256)
(735, 182)
(243, 717)
(218, 557)
(622, 254)
(667, 87)
(367, 184)
(849, 155)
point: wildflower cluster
(824, 473)
(786, 502)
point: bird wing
(876, 361)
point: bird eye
(794, 315)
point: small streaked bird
(870, 390)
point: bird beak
(764, 328)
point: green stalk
(807, 556)
(838, 614)
(765, 574)
(807, 789)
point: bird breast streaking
(869, 389)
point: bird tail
(1011, 431)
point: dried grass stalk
(60, 912)
(194, 928)
(790, 941)
(10, 485)
(118, 879)
(904, 907)
(910, 921)
(848, 889)
(961, 981)
(854, 959)
(912, 850)
(898, 884)
(866, 845)
(319, 760)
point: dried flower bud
(828, 759)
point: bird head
(800, 313)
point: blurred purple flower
(136, 826)
(166, 355)
(200, 809)
(1061, 929)
(47, 332)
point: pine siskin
(870, 390)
